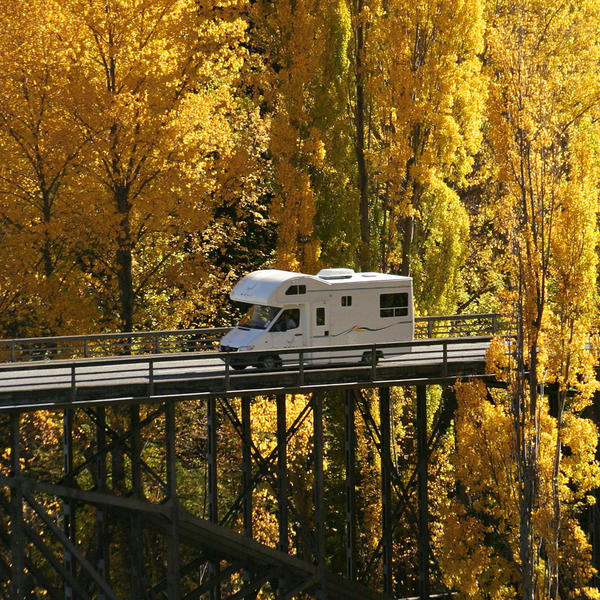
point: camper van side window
(346, 300)
(320, 316)
(393, 305)
(295, 289)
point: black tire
(270, 362)
(367, 358)
(238, 367)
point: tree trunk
(407, 224)
(359, 147)
(47, 247)
(124, 259)
(554, 583)
(407, 241)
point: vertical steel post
(422, 493)
(282, 483)
(319, 485)
(211, 452)
(136, 451)
(213, 496)
(101, 521)
(386, 491)
(173, 568)
(301, 369)
(445, 360)
(247, 482)
(17, 534)
(136, 545)
(150, 377)
(282, 474)
(68, 506)
(350, 460)
(227, 377)
(246, 466)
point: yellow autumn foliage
(479, 541)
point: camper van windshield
(259, 317)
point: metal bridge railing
(366, 363)
(460, 325)
(110, 344)
(195, 340)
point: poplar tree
(544, 89)
(427, 97)
(39, 156)
(305, 44)
(542, 108)
(416, 104)
(152, 85)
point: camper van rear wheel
(270, 362)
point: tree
(427, 96)
(479, 541)
(544, 74)
(152, 85)
(359, 11)
(39, 154)
(543, 90)
(305, 62)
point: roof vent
(335, 273)
(369, 274)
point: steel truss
(113, 523)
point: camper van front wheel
(270, 362)
(367, 357)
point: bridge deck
(43, 384)
(74, 379)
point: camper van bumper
(238, 361)
(223, 348)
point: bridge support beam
(422, 493)
(102, 532)
(17, 534)
(282, 484)
(282, 479)
(251, 593)
(350, 464)
(318, 488)
(246, 467)
(386, 491)
(173, 566)
(137, 570)
(68, 505)
(213, 496)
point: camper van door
(289, 330)
(319, 323)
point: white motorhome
(332, 308)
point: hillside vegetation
(154, 151)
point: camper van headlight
(250, 347)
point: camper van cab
(332, 308)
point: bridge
(123, 401)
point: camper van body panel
(344, 308)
